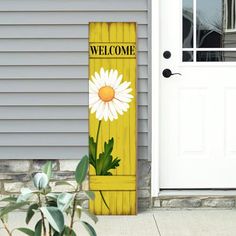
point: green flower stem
(98, 131)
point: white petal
(97, 82)
(126, 95)
(95, 106)
(110, 115)
(117, 106)
(117, 82)
(112, 110)
(92, 87)
(123, 86)
(122, 98)
(99, 79)
(106, 111)
(125, 91)
(100, 111)
(122, 105)
(93, 99)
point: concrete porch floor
(157, 223)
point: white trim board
(155, 72)
(194, 193)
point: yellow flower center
(106, 93)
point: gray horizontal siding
(53, 112)
(44, 74)
(72, 5)
(53, 58)
(53, 139)
(57, 18)
(50, 152)
(53, 31)
(52, 72)
(51, 99)
(52, 45)
(53, 126)
(53, 86)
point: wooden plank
(112, 182)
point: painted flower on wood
(108, 95)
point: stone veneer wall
(15, 174)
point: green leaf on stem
(58, 183)
(81, 170)
(105, 161)
(89, 228)
(9, 199)
(69, 232)
(91, 215)
(31, 212)
(92, 152)
(38, 228)
(90, 194)
(26, 231)
(55, 217)
(11, 207)
(26, 193)
(47, 169)
(64, 201)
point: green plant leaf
(9, 208)
(53, 196)
(9, 199)
(40, 181)
(64, 200)
(78, 212)
(89, 228)
(26, 231)
(31, 212)
(105, 161)
(69, 232)
(64, 183)
(91, 215)
(26, 193)
(90, 194)
(55, 217)
(81, 170)
(47, 169)
(92, 152)
(38, 228)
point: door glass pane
(187, 56)
(227, 56)
(209, 23)
(187, 23)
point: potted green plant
(51, 207)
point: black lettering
(117, 50)
(94, 50)
(132, 50)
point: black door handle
(167, 73)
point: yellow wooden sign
(112, 103)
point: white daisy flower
(108, 97)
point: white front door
(198, 107)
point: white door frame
(155, 97)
